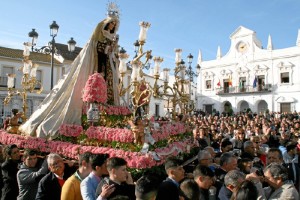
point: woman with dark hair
(10, 168)
(245, 191)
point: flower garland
(95, 89)
(70, 130)
(102, 133)
(167, 130)
(110, 110)
(134, 159)
(109, 134)
(116, 110)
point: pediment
(208, 74)
(241, 31)
(243, 69)
(226, 72)
(283, 99)
(285, 65)
(261, 68)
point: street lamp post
(50, 48)
(190, 73)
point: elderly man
(280, 187)
(249, 150)
(204, 158)
(232, 179)
(51, 184)
(228, 162)
(275, 156)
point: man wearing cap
(169, 188)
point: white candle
(26, 51)
(178, 55)
(134, 73)
(33, 70)
(123, 61)
(182, 72)
(157, 62)
(27, 66)
(166, 75)
(11, 80)
(143, 31)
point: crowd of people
(244, 156)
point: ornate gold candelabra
(28, 83)
(179, 93)
(140, 90)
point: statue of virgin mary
(63, 105)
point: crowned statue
(64, 104)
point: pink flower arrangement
(134, 159)
(109, 134)
(95, 89)
(175, 148)
(167, 130)
(116, 110)
(110, 109)
(70, 130)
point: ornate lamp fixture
(180, 93)
(140, 90)
(29, 82)
(50, 48)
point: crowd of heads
(235, 154)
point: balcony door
(226, 86)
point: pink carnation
(95, 89)
(70, 130)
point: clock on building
(242, 47)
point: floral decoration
(110, 110)
(95, 89)
(109, 134)
(70, 130)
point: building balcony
(244, 90)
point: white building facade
(11, 60)
(250, 77)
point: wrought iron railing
(245, 89)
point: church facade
(250, 77)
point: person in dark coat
(169, 188)
(50, 185)
(204, 177)
(9, 170)
(119, 181)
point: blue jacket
(88, 186)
